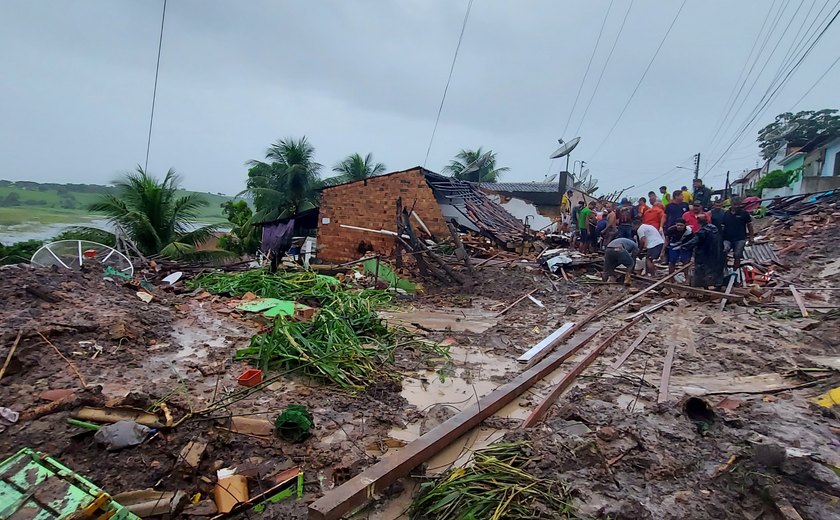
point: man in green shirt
(586, 226)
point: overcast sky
(367, 76)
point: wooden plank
(799, 301)
(728, 290)
(688, 288)
(361, 488)
(552, 339)
(649, 308)
(579, 325)
(649, 288)
(666, 374)
(570, 377)
(512, 305)
(626, 354)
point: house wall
(830, 164)
(372, 205)
(818, 184)
(794, 164)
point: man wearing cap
(687, 198)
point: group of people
(669, 227)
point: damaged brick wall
(372, 205)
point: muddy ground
(623, 454)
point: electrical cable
(641, 79)
(588, 65)
(762, 106)
(448, 80)
(606, 63)
(730, 100)
(154, 92)
(731, 114)
(763, 67)
(815, 83)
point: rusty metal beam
(666, 375)
(570, 377)
(361, 488)
(626, 354)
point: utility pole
(696, 165)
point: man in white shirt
(650, 239)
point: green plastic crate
(36, 487)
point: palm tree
(285, 183)
(156, 219)
(356, 168)
(487, 173)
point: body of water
(40, 231)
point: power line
(730, 101)
(607, 62)
(588, 65)
(731, 114)
(641, 79)
(815, 83)
(760, 107)
(448, 80)
(154, 92)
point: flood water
(40, 231)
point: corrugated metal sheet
(522, 187)
(763, 253)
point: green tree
(243, 237)
(797, 129)
(774, 179)
(156, 219)
(286, 182)
(355, 168)
(487, 173)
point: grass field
(39, 205)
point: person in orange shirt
(655, 216)
(642, 207)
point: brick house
(371, 204)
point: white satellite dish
(565, 148)
(477, 164)
(551, 177)
(585, 173)
(73, 254)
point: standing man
(625, 219)
(566, 209)
(652, 199)
(583, 225)
(709, 260)
(675, 209)
(737, 230)
(675, 238)
(642, 207)
(655, 216)
(690, 217)
(717, 214)
(665, 197)
(575, 228)
(621, 251)
(686, 195)
(612, 223)
(650, 239)
(702, 194)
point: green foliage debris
(345, 343)
(494, 487)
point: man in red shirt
(690, 216)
